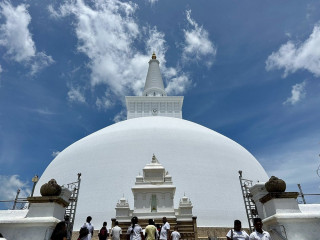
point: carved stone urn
(275, 185)
(50, 189)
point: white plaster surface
(296, 226)
(14, 224)
(48, 209)
(309, 208)
(12, 214)
(281, 205)
(31, 229)
(203, 163)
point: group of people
(258, 234)
(134, 232)
(151, 232)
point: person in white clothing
(116, 231)
(259, 233)
(175, 235)
(135, 231)
(165, 230)
(236, 233)
(90, 228)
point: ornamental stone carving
(50, 189)
(275, 185)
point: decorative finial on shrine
(154, 55)
(154, 159)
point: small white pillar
(122, 209)
(185, 209)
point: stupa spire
(154, 100)
(154, 83)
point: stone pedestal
(47, 207)
(38, 222)
(284, 202)
(282, 216)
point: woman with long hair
(59, 232)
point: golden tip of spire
(154, 56)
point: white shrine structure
(153, 197)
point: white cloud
(152, 2)
(297, 93)
(178, 84)
(17, 39)
(55, 153)
(9, 186)
(105, 101)
(295, 162)
(43, 111)
(15, 35)
(75, 95)
(120, 116)
(295, 56)
(107, 32)
(197, 43)
(42, 61)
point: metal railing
(302, 196)
(18, 203)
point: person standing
(151, 232)
(165, 230)
(90, 228)
(135, 231)
(175, 235)
(68, 226)
(259, 233)
(103, 233)
(116, 231)
(236, 233)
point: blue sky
(248, 69)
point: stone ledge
(273, 195)
(46, 199)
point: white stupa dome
(203, 163)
